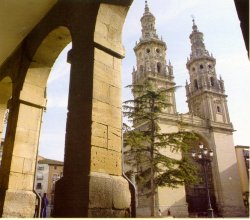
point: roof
(241, 146)
(51, 162)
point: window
(148, 50)
(212, 81)
(246, 152)
(39, 176)
(196, 84)
(158, 67)
(218, 109)
(55, 167)
(55, 177)
(158, 50)
(40, 168)
(39, 186)
(201, 66)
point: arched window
(158, 67)
(218, 109)
(196, 84)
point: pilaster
(227, 181)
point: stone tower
(205, 94)
(151, 58)
(151, 65)
(206, 100)
(208, 117)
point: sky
(218, 21)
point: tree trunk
(152, 198)
(152, 186)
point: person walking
(44, 205)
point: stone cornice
(147, 41)
(190, 121)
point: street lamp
(204, 157)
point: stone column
(19, 159)
(92, 185)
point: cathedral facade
(208, 117)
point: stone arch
(203, 139)
(196, 195)
(93, 151)
(22, 135)
(42, 62)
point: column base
(234, 211)
(105, 196)
(18, 204)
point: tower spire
(203, 81)
(146, 7)
(150, 54)
(148, 24)
(194, 25)
(198, 48)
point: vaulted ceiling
(17, 19)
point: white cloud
(58, 102)
(59, 72)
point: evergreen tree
(151, 151)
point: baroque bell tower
(206, 93)
(207, 102)
(151, 62)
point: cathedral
(208, 117)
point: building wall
(226, 177)
(42, 176)
(48, 172)
(170, 199)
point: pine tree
(148, 144)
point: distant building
(242, 155)
(47, 173)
